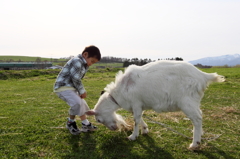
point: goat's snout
(113, 127)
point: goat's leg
(197, 132)
(195, 115)
(144, 126)
(137, 113)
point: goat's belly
(158, 106)
(169, 108)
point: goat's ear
(91, 112)
(102, 92)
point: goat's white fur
(163, 86)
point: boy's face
(90, 60)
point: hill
(230, 60)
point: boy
(69, 87)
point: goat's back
(164, 82)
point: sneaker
(89, 127)
(72, 127)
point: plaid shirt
(72, 73)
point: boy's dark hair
(93, 51)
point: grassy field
(22, 58)
(33, 120)
(109, 65)
(60, 62)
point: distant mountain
(230, 60)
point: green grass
(107, 65)
(60, 62)
(22, 58)
(32, 122)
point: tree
(126, 63)
(38, 59)
(178, 59)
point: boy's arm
(76, 75)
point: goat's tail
(214, 77)
(218, 78)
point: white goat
(163, 86)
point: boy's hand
(84, 95)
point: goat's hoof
(131, 138)
(194, 146)
(145, 131)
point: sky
(155, 29)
